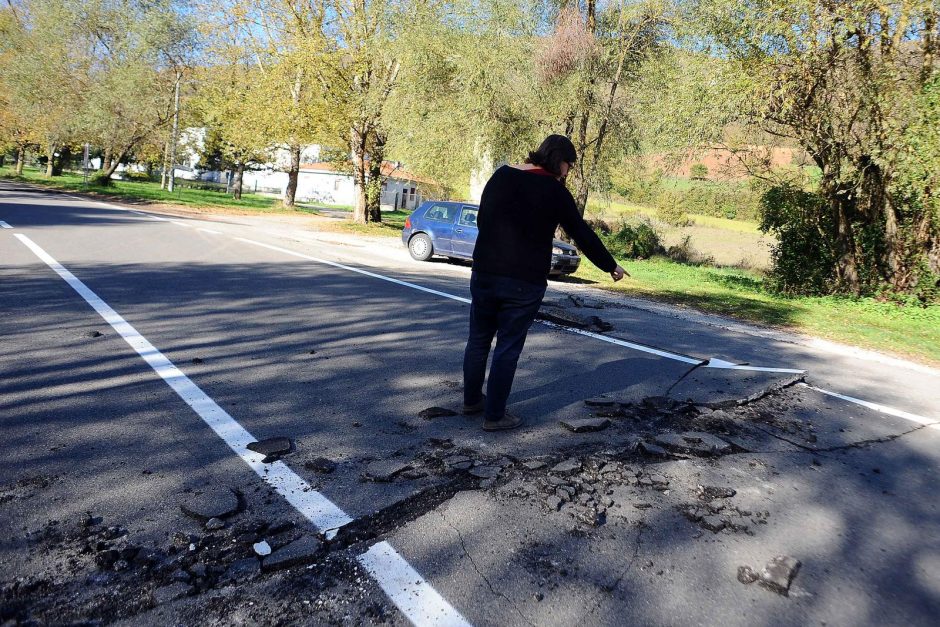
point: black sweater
(519, 212)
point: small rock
(357, 424)
(553, 502)
(779, 573)
(215, 502)
(659, 479)
(534, 465)
(585, 425)
(321, 465)
(567, 467)
(214, 524)
(746, 575)
(302, 551)
(642, 505)
(458, 462)
(538, 596)
(94, 334)
(486, 472)
(713, 523)
(436, 412)
(171, 593)
(262, 548)
(271, 448)
(708, 493)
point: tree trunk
(107, 160)
(237, 181)
(357, 146)
(374, 184)
(58, 164)
(20, 160)
(290, 194)
(50, 160)
(846, 265)
(166, 158)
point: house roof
(389, 169)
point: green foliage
(805, 256)
(637, 240)
(698, 171)
(670, 209)
(135, 176)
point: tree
(840, 79)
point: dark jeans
(503, 307)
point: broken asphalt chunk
(778, 574)
(694, 443)
(211, 503)
(261, 548)
(713, 523)
(458, 462)
(600, 401)
(651, 449)
(384, 470)
(534, 464)
(707, 492)
(214, 524)
(567, 467)
(271, 448)
(436, 412)
(301, 551)
(746, 575)
(321, 465)
(486, 472)
(585, 425)
(171, 593)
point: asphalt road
(140, 352)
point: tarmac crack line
(616, 583)
(844, 447)
(466, 552)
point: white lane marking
(408, 590)
(413, 286)
(392, 571)
(721, 364)
(204, 230)
(140, 213)
(178, 223)
(4, 225)
(884, 409)
(604, 338)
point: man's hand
(618, 274)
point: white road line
(415, 597)
(408, 590)
(603, 338)
(178, 223)
(204, 230)
(884, 409)
(4, 225)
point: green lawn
(146, 191)
(903, 330)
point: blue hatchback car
(449, 229)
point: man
(521, 207)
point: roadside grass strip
(414, 596)
(931, 423)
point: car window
(468, 217)
(441, 213)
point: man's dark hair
(555, 150)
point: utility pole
(171, 181)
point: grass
(147, 191)
(907, 331)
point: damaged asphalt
(675, 496)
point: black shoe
(476, 408)
(505, 423)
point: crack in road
(616, 584)
(480, 573)
(845, 447)
(770, 390)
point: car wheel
(420, 247)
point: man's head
(556, 155)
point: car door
(439, 222)
(465, 233)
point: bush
(684, 252)
(634, 241)
(669, 210)
(698, 172)
(137, 177)
(100, 179)
(804, 259)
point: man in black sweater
(520, 210)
